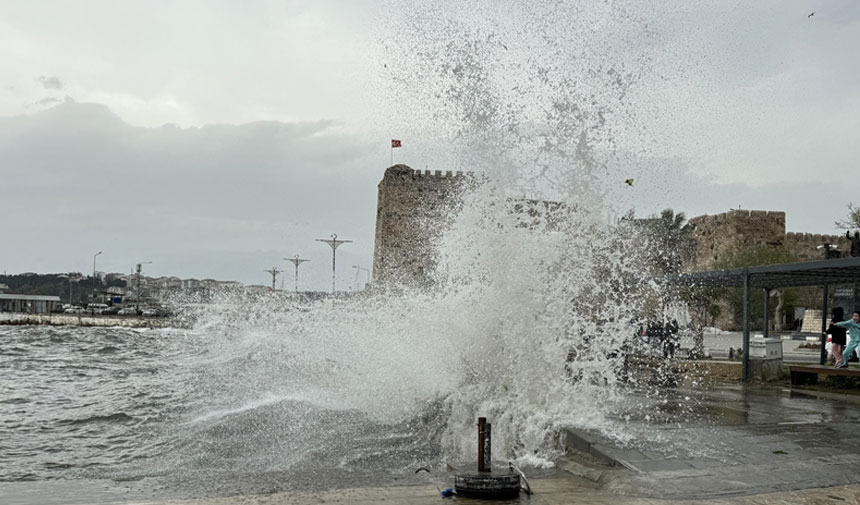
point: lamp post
(334, 243)
(94, 275)
(296, 261)
(73, 277)
(274, 272)
(357, 270)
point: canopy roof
(811, 273)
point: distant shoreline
(18, 318)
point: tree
(853, 218)
(669, 241)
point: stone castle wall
(804, 246)
(413, 210)
(719, 236)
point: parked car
(127, 311)
(74, 310)
(156, 312)
(96, 308)
(110, 311)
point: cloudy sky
(216, 138)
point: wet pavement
(562, 491)
(741, 441)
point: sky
(215, 138)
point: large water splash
(528, 318)
(533, 96)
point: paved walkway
(546, 492)
(729, 441)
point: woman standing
(837, 336)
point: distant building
(30, 304)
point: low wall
(16, 318)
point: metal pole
(94, 275)
(823, 353)
(296, 261)
(334, 243)
(137, 292)
(274, 271)
(766, 312)
(357, 270)
(823, 356)
(746, 357)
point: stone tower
(413, 210)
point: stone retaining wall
(15, 318)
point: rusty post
(484, 438)
(488, 437)
(482, 423)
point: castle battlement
(436, 173)
(401, 172)
(818, 238)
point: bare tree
(852, 220)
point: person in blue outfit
(853, 326)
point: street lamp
(73, 277)
(360, 269)
(274, 272)
(296, 261)
(94, 275)
(334, 243)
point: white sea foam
(525, 325)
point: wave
(119, 417)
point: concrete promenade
(559, 491)
(730, 441)
(724, 445)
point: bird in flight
(810, 14)
(629, 182)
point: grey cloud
(199, 196)
(49, 100)
(52, 82)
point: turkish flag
(395, 143)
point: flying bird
(810, 14)
(629, 182)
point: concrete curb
(583, 442)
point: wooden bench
(801, 375)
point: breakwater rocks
(15, 318)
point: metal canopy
(811, 273)
(768, 277)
